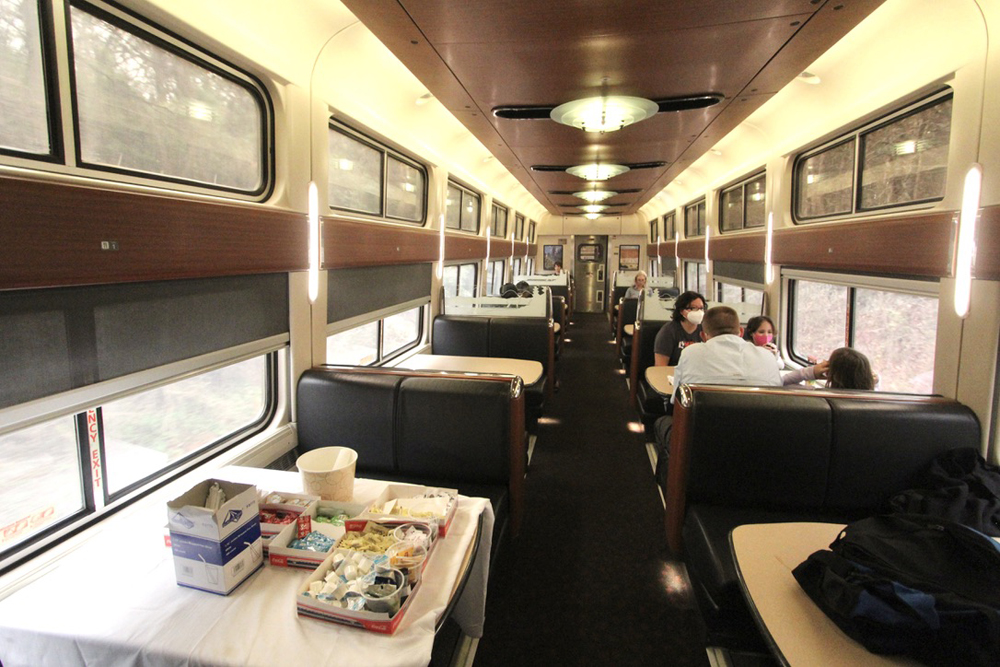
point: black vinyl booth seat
(424, 427)
(627, 310)
(530, 338)
(741, 455)
(647, 401)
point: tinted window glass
(467, 280)
(355, 174)
(357, 346)
(825, 182)
(449, 280)
(144, 108)
(732, 208)
(150, 431)
(898, 333)
(819, 319)
(31, 502)
(23, 108)
(907, 160)
(453, 208)
(754, 196)
(401, 331)
(404, 191)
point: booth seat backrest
(627, 311)
(642, 354)
(453, 429)
(559, 311)
(511, 337)
(459, 335)
(440, 428)
(835, 453)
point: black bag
(914, 585)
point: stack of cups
(328, 472)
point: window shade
(54, 340)
(357, 291)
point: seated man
(725, 358)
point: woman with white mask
(682, 330)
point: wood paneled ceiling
(477, 55)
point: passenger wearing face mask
(682, 330)
(760, 332)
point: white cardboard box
(217, 550)
(395, 491)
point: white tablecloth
(115, 601)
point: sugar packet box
(215, 550)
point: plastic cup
(409, 558)
(328, 472)
(385, 594)
(419, 533)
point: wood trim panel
(51, 235)
(738, 248)
(692, 249)
(917, 246)
(350, 243)
(987, 265)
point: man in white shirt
(725, 358)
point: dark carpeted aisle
(589, 581)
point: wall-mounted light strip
(482, 285)
(708, 237)
(440, 270)
(768, 241)
(967, 239)
(659, 258)
(313, 242)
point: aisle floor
(590, 581)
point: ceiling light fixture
(593, 208)
(596, 171)
(424, 99)
(604, 114)
(591, 216)
(808, 77)
(594, 196)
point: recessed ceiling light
(594, 195)
(808, 77)
(593, 208)
(604, 114)
(424, 99)
(592, 216)
(597, 171)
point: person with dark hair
(849, 369)
(682, 330)
(557, 268)
(760, 331)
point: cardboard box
(395, 491)
(215, 551)
(383, 623)
(281, 555)
(299, 508)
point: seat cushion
(709, 556)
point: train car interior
(233, 233)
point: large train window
(108, 390)
(695, 277)
(741, 206)
(366, 177)
(495, 276)
(728, 293)
(462, 209)
(460, 279)
(891, 321)
(669, 226)
(146, 104)
(499, 223)
(376, 341)
(518, 226)
(900, 160)
(25, 117)
(694, 219)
